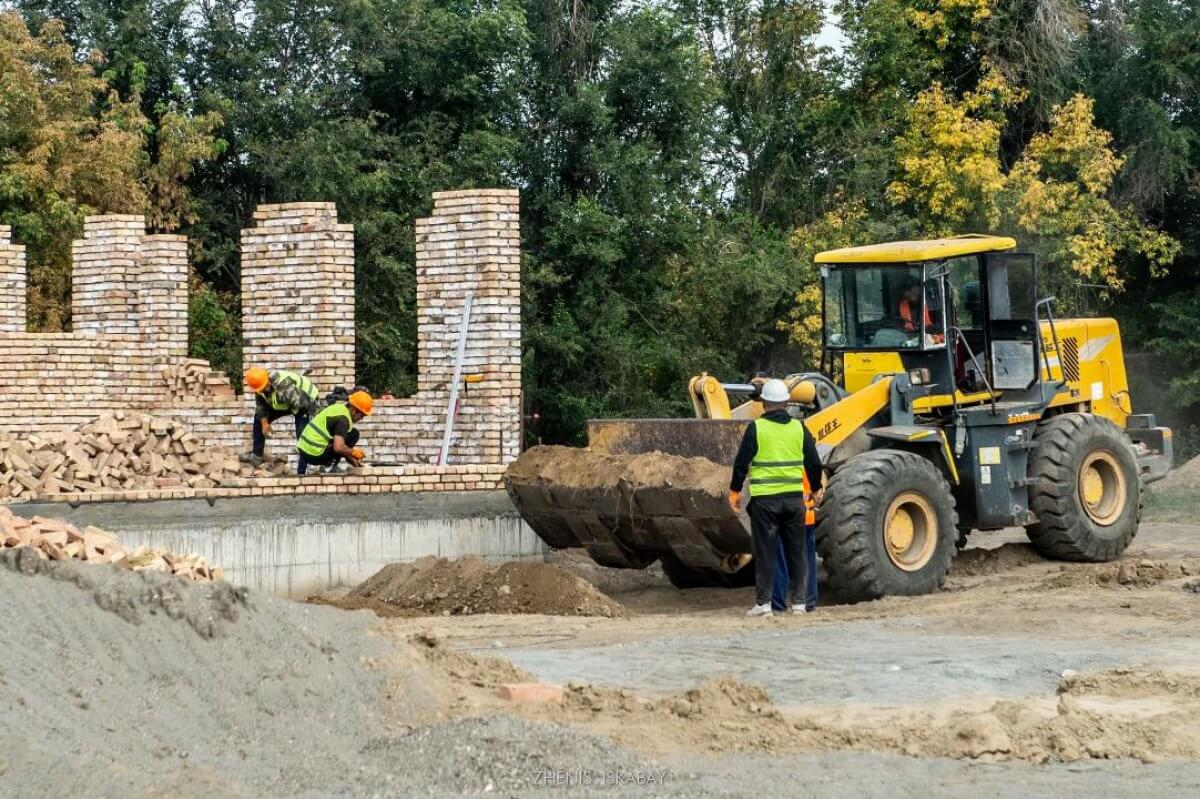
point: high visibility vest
(778, 466)
(306, 387)
(316, 437)
(910, 324)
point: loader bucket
(638, 492)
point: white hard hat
(775, 391)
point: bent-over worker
(777, 453)
(332, 434)
(278, 394)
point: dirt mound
(121, 683)
(1126, 573)
(584, 468)
(1186, 475)
(469, 585)
(978, 562)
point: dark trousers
(779, 592)
(328, 457)
(773, 519)
(260, 439)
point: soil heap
(470, 585)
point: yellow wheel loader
(962, 405)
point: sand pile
(1186, 475)
(469, 585)
(53, 539)
(124, 683)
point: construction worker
(777, 453)
(278, 394)
(910, 295)
(779, 590)
(332, 434)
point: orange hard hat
(361, 401)
(257, 379)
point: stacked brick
(107, 268)
(193, 379)
(128, 351)
(471, 245)
(12, 283)
(298, 292)
(162, 291)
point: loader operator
(910, 296)
(778, 454)
(332, 434)
(278, 394)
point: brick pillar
(298, 292)
(107, 269)
(472, 244)
(163, 295)
(12, 283)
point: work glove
(357, 455)
(266, 427)
(735, 501)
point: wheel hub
(1102, 487)
(910, 531)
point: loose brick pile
(122, 451)
(53, 539)
(128, 352)
(195, 379)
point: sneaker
(799, 610)
(251, 458)
(763, 610)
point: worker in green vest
(332, 434)
(278, 394)
(781, 459)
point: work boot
(763, 610)
(251, 458)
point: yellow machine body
(1092, 364)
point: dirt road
(1019, 662)
(1022, 678)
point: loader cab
(964, 308)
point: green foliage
(679, 161)
(214, 332)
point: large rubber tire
(684, 577)
(851, 525)
(1065, 530)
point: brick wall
(12, 283)
(129, 307)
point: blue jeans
(780, 586)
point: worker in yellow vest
(277, 394)
(777, 454)
(332, 434)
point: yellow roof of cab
(905, 252)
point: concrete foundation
(297, 546)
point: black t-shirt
(339, 426)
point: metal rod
(452, 404)
(740, 388)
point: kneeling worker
(278, 394)
(331, 435)
(779, 454)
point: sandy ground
(1022, 677)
